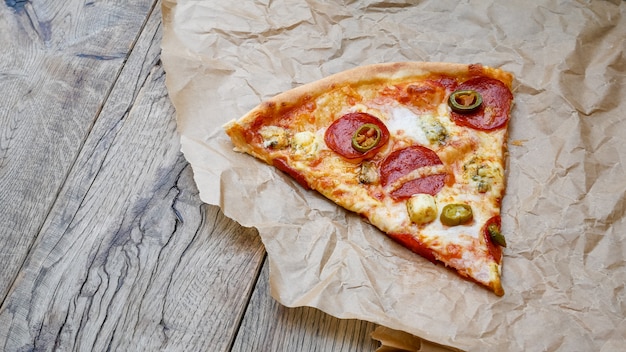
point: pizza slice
(416, 148)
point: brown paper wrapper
(563, 214)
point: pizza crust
(385, 72)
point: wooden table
(104, 242)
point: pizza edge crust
(385, 72)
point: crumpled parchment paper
(563, 214)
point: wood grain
(58, 62)
(129, 258)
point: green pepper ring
(365, 148)
(459, 108)
(496, 235)
(456, 214)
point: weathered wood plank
(269, 326)
(129, 258)
(57, 64)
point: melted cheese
(305, 145)
(404, 123)
(274, 137)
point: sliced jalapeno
(496, 235)
(456, 214)
(366, 137)
(465, 101)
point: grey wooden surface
(104, 243)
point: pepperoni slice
(338, 136)
(403, 161)
(494, 111)
(430, 184)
